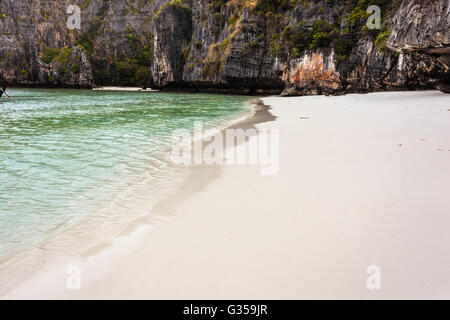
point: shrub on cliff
(48, 54)
(183, 4)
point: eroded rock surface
(239, 46)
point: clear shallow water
(70, 155)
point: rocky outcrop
(314, 73)
(70, 67)
(25, 28)
(421, 25)
(238, 46)
(421, 36)
(315, 47)
(173, 32)
(113, 46)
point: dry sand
(364, 180)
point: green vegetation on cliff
(182, 4)
(301, 38)
(132, 69)
(62, 60)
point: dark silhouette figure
(3, 91)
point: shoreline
(132, 229)
(275, 91)
(127, 89)
(362, 182)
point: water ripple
(69, 155)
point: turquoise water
(66, 155)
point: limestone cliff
(313, 47)
(247, 46)
(113, 46)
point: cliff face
(313, 47)
(114, 45)
(27, 29)
(249, 46)
(173, 32)
(421, 37)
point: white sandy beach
(364, 180)
(129, 89)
